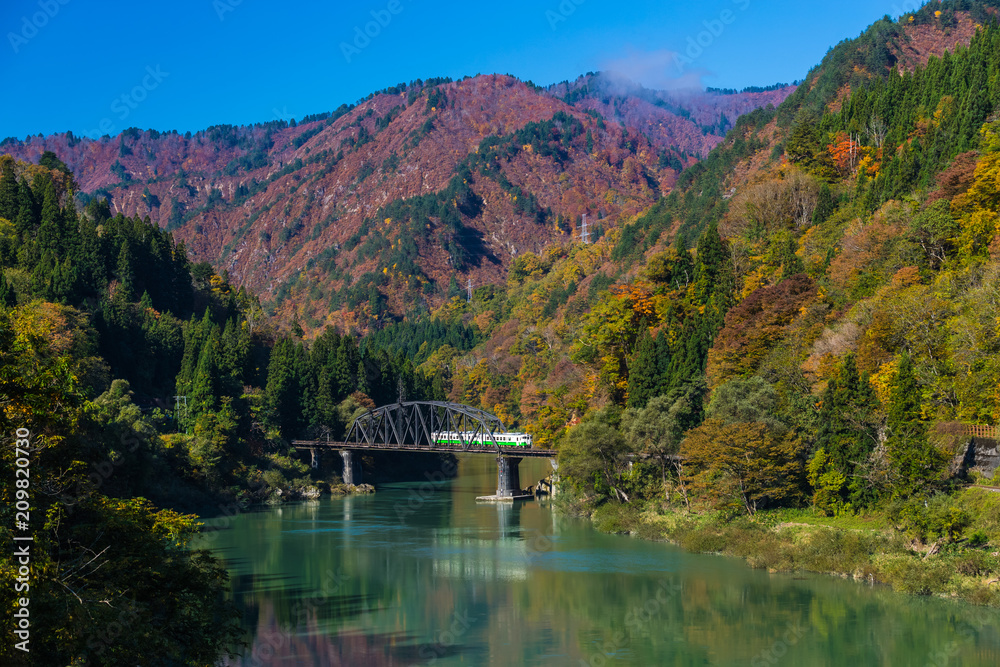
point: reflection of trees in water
(312, 642)
(399, 585)
(720, 617)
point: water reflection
(411, 576)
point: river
(420, 574)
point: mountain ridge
(219, 189)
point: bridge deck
(521, 452)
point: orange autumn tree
(611, 331)
(743, 466)
(850, 156)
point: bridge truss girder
(412, 422)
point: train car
(471, 437)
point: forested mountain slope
(311, 215)
(692, 122)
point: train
(503, 439)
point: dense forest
(846, 336)
(147, 381)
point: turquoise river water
(420, 574)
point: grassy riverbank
(867, 548)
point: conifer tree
(346, 369)
(126, 273)
(8, 299)
(643, 377)
(9, 204)
(27, 219)
(916, 464)
(50, 203)
(825, 205)
(282, 393)
(682, 272)
(204, 396)
(847, 435)
(791, 265)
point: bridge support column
(508, 476)
(314, 463)
(352, 471)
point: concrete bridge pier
(508, 476)
(314, 462)
(352, 468)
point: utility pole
(469, 288)
(177, 406)
(584, 234)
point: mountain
(691, 122)
(387, 205)
(390, 207)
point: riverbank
(868, 549)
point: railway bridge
(409, 426)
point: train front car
(520, 440)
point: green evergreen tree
(9, 204)
(643, 377)
(916, 464)
(825, 205)
(712, 272)
(682, 272)
(346, 375)
(27, 219)
(50, 204)
(791, 264)
(70, 225)
(282, 392)
(8, 299)
(847, 435)
(125, 270)
(204, 396)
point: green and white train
(477, 438)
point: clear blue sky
(245, 61)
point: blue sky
(188, 64)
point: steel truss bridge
(407, 426)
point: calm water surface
(423, 575)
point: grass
(984, 508)
(865, 547)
